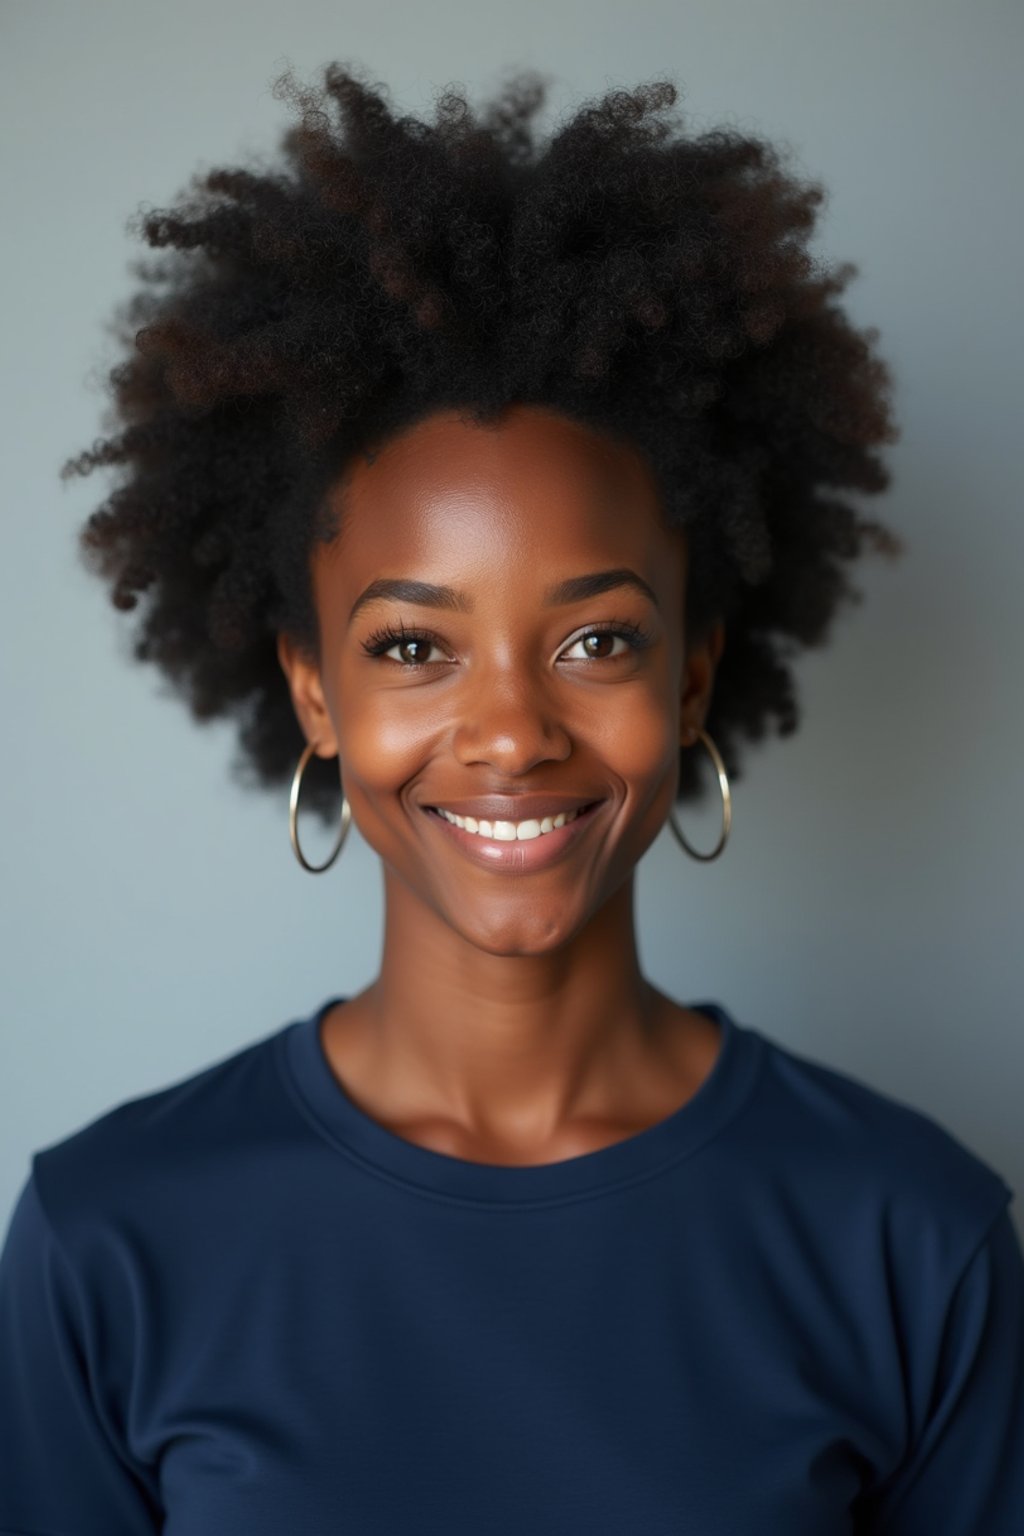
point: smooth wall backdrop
(867, 910)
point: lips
(492, 838)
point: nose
(511, 724)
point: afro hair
(649, 282)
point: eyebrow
(575, 589)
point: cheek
(637, 733)
(385, 738)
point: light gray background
(867, 910)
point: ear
(307, 694)
(698, 681)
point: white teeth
(509, 831)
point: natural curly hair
(651, 283)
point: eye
(636, 639)
(596, 645)
(413, 650)
(413, 645)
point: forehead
(535, 488)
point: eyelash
(382, 640)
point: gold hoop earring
(293, 816)
(723, 783)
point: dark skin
(510, 1022)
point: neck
(508, 1047)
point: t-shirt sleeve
(964, 1474)
(62, 1468)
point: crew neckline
(642, 1155)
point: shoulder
(864, 1158)
(147, 1153)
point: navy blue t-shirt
(239, 1306)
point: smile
(509, 831)
(515, 846)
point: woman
(488, 485)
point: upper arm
(964, 1475)
(62, 1468)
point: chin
(517, 937)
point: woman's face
(467, 665)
